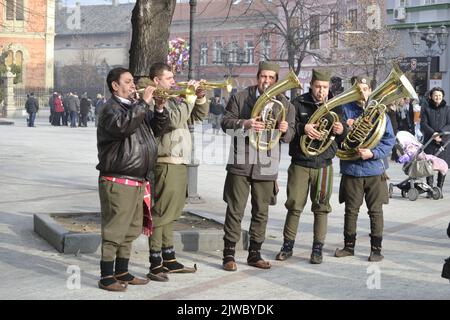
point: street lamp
(233, 56)
(104, 72)
(431, 38)
(192, 196)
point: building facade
(27, 32)
(224, 46)
(228, 39)
(404, 15)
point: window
(249, 52)
(218, 51)
(333, 30)
(14, 10)
(203, 53)
(19, 58)
(233, 51)
(9, 58)
(266, 49)
(429, 2)
(314, 29)
(352, 18)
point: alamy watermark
(374, 278)
(74, 279)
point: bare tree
(371, 46)
(82, 72)
(151, 21)
(296, 27)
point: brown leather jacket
(244, 159)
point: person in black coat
(32, 107)
(435, 118)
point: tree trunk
(151, 21)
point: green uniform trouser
(353, 190)
(122, 215)
(235, 194)
(299, 180)
(170, 197)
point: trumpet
(227, 85)
(188, 92)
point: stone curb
(70, 243)
(6, 122)
(63, 240)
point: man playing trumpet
(127, 153)
(174, 153)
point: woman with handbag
(435, 119)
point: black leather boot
(254, 258)
(286, 250)
(349, 246)
(229, 250)
(316, 254)
(375, 249)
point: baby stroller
(418, 165)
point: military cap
(321, 75)
(266, 65)
(360, 80)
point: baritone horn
(264, 109)
(370, 126)
(324, 119)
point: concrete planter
(69, 242)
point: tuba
(370, 126)
(264, 109)
(325, 118)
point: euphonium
(370, 126)
(188, 93)
(264, 110)
(208, 85)
(324, 118)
